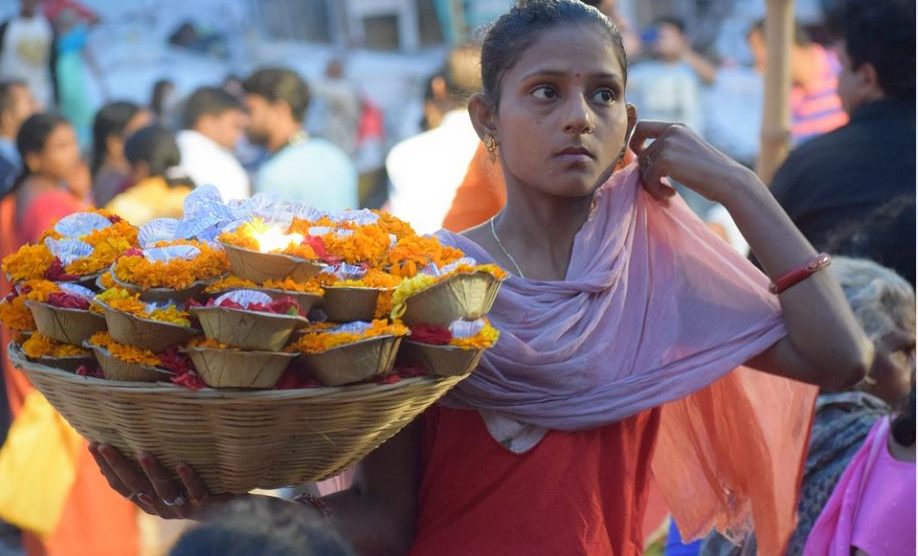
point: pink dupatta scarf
(655, 308)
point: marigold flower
(30, 262)
(124, 352)
(176, 274)
(318, 339)
(38, 346)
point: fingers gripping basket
(238, 440)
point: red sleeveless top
(573, 493)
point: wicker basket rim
(268, 316)
(108, 307)
(240, 352)
(18, 359)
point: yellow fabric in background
(37, 467)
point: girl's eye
(544, 92)
(604, 96)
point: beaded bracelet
(814, 265)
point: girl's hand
(677, 152)
(153, 490)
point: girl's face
(561, 121)
(60, 157)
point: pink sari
(655, 311)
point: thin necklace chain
(504, 249)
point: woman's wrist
(743, 190)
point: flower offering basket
(463, 296)
(144, 333)
(238, 440)
(260, 267)
(70, 326)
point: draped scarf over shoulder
(654, 308)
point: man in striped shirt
(815, 105)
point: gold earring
(491, 146)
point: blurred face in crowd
(670, 42)
(28, 7)
(60, 158)
(756, 41)
(856, 86)
(226, 129)
(22, 106)
(261, 116)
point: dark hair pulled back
(515, 31)
(110, 120)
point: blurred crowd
(848, 183)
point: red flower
(321, 251)
(410, 371)
(431, 334)
(91, 370)
(175, 362)
(293, 379)
(390, 378)
(67, 301)
(189, 380)
(56, 272)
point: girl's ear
(483, 115)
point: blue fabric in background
(674, 546)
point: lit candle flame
(273, 239)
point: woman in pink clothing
(872, 509)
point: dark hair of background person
(283, 85)
(881, 33)
(158, 98)
(515, 31)
(802, 37)
(903, 424)
(33, 135)
(110, 120)
(882, 236)
(207, 101)
(258, 527)
(672, 21)
(6, 93)
(155, 145)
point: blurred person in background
(260, 527)
(425, 170)
(336, 108)
(48, 190)
(158, 184)
(883, 304)
(28, 52)
(815, 105)
(16, 104)
(839, 179)
(113, 123)
(213, 124)
(163, 99)
(610, 9)
(298, 166)
(73, 59)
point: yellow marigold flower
(230, 282)
(124, 352)
(30, 262)
(38, 346)
(317, 339)
(204, 342)
(485, 338)
(14, 313)
(394, 225)
(123, 300)
(411, 254)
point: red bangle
(799, 274)
(316, 502)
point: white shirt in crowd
(25, 55)
(426, 170)
(207, 162)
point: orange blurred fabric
(716, 450)
(96, 521)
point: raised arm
(824, 345)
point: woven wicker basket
(238, 440)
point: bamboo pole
(775, 137)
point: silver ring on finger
(178, 501)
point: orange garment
(483, 193)
(96, 521)
(574, 493)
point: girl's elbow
(851, 368)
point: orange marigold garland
(13, 311)
(124, 352)
(38, 346)
(319, 339)
(133, 268)
(123, 300)
(30, 262)
(412, 254)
